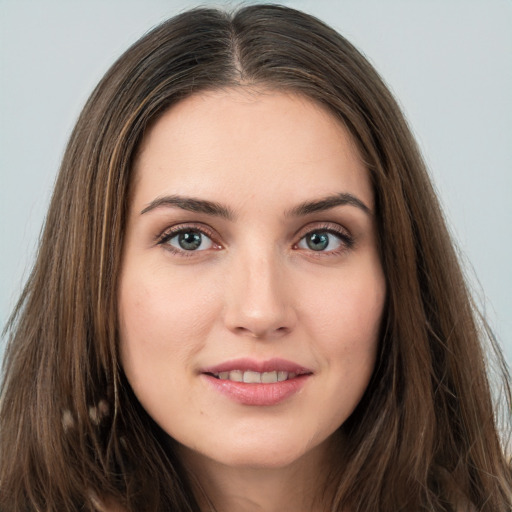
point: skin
(256, 290)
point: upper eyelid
(332, 227)
(171, 231)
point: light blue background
(448, 61)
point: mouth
(262, 383)
(251, 377)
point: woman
(245, 296)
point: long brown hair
(72, 434)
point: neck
(301, 485)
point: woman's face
(251, 291)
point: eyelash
(169, 234)
(346, 240)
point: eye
(187, 240)
(325, 240)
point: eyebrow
(213, 208)
(327, 203)
(191, 204)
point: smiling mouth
(252, 377)
(257, 383)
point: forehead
(237, 144)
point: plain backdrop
(449, 62)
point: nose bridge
(257, 299)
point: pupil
(189, 241)
(318, 241)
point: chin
(266, 458)
(262, 452)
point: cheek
(162, 325)
(350, 308)
(156, 303)
(345, 316)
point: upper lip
(269, 365)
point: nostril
(262, 333)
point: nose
(258, 298)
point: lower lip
(258, 394)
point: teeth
(251, 377)
(236, 375)
(269, 377)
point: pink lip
(257, 394)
